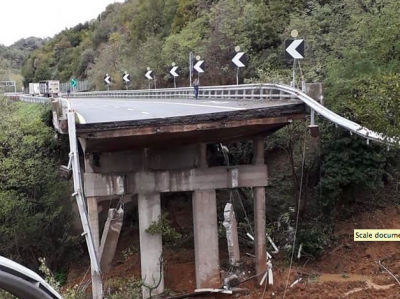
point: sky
(45, 18)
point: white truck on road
(34, 89)
(49, 88)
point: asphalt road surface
(91, 111)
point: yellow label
(376, 235)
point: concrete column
(203, 155)
(93, 215)
(109, 240)
(230, 225)
(150, 245)
(259, 213)
(205, 227)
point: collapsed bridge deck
(115, 125)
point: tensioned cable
(298, 214)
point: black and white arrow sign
(198, 65)
(236, 60)
(294, 49)
(126, 78)
(173, 71)
(107, 79)
(148, 75)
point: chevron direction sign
(173, 71)
(107, 79)
(294, 49)
(198, 65)
(148, 75)
(126, 77)
(237, 59)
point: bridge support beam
(93, 215)
(259, 213)
(150, 245)
(205, 227)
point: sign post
(294, 49)
(107, 81)
(190, 67)
(198, 68)
(127, 79)
(148, 75)
(174, 73)
(236, 60)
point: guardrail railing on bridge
(238, 92)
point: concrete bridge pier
(259, 213)
(205, 227)
(150, 245)
(149, 172)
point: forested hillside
(12, 58)
(350, 45)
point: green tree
(35, 212)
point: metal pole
(190, 67)
(237, 76)
(174, 82)
(294, 74)
(149, 82)
(312, 117)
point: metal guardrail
(232, 92)
(29, 99)
(80, 86)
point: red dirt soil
(348, 270)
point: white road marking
(145, 113)
(117, 107)
(82, 121)
(130, 109)
(216, 102)
(183, 104)
(105, 106)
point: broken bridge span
(142, 143)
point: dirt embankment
(347, 270)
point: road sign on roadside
(73, 82)
(237, 59)
(173, 71)
(148, 75)
(107, 79)
(294, 49)
(198, 65)
(126, 77)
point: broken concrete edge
(272, 111)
